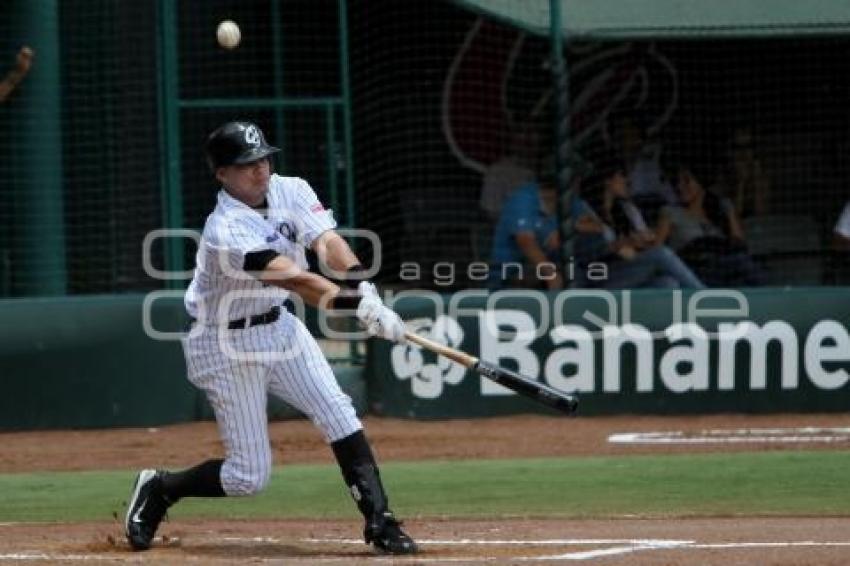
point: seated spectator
(610, 231)
(514, 170)
(839, 266)
(526, 243)
(707, 235)
(841, 232)
(743, 179)
(641, 159)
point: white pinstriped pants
(285, 361)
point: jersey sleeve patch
(314, 218)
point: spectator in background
(641, 159)
(743, 180)
(841, 232)
(839, 266)
(526, 244)
(610, 230)
(514, 170)
(23, 62)
(706, 233)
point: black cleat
(385, 534)
(146, 509)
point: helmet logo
(252, 135)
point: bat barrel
(530, 388)
(540, 392)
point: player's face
(248, 183)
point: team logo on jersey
(271, 238)
(408, 360)
(317, 207)
(252, 135)
(287, 230)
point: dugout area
(383, 115)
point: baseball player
(243, 344)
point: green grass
(768, 483)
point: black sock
(350, 452)
(204, 480)
(362, 477)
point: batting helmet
(237, 143)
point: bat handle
(462, 358)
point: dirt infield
(774, 541)
(393, 439)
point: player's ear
(219, 174)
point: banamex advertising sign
(760, 364)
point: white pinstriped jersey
(237, 369)
(295, 218)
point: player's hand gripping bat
(528, 387)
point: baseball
(228, 34)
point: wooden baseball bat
(526, 386)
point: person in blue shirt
(526, 243)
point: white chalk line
(630, 545)
(591, 554)
(41, 556)
(735, 436)
(641, 439)
(769, 544)
(508, 542)
(784, 430)
(624, 546)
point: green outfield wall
(87, 362)
(764, 350)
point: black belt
(256, 320)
